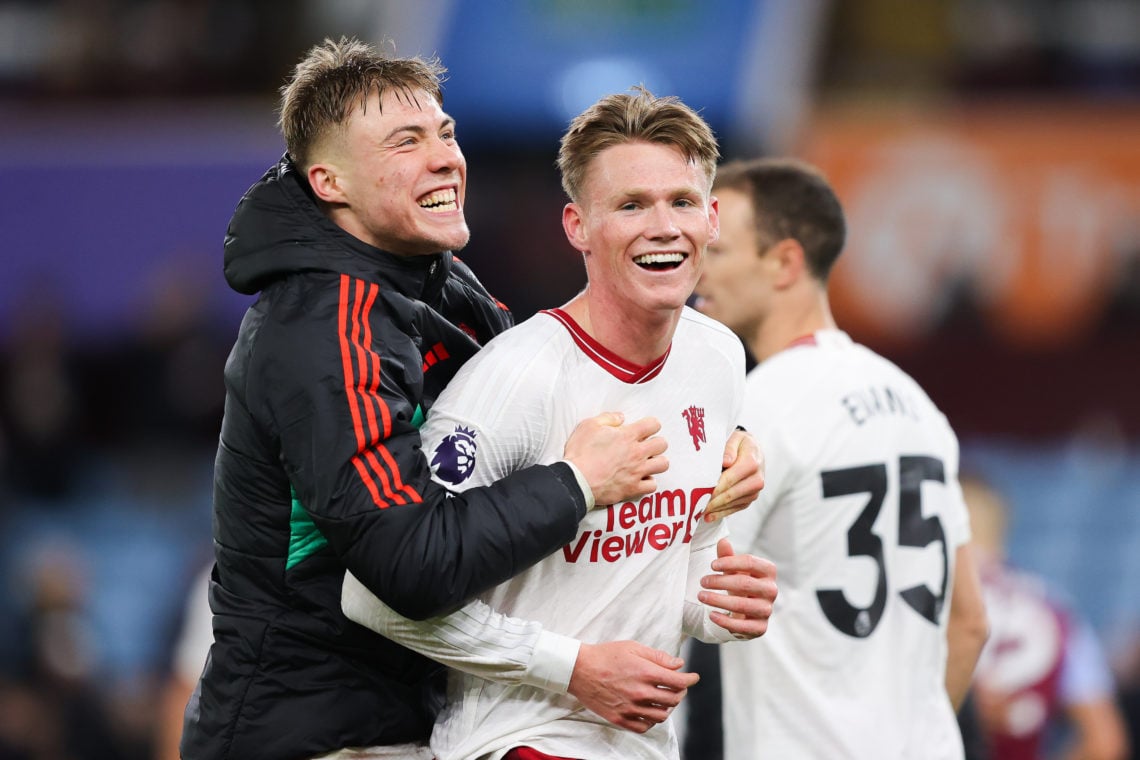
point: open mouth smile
(440, 201)
(659, 262)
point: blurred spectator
(50, 709)
(195, 634)
(1043, 669)
(173, 395)
(84, 48)
(155, 397)
(1083, 45)
(40, 420)
(1128, 686)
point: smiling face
(399, 176)
(643, 221)
(735, 286)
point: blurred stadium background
(987, 151)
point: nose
(662, 223)
(445, 156)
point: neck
(787, 322)
(638, 337)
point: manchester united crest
(695, 419)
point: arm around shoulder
(475, 639)
(428, 558)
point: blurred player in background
(191, 645)
(363, 315)
(880, 616)
(638, 170)
(1043, 668)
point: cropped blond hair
(633, 117)
(335, 77)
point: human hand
(629, 684)
(618, 461)
(750, 583)
(741, 477)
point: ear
(714, 219)
(789, 256)
(326, 183)
(575, 227)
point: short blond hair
(633, 117)
(335, 77)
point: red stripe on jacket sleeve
(399, 482)
(393, 494)
(346, 361)
(373, 388)
(362, 364)
(362, 389)
(369, 483)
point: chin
(458, 239)
(668, 306)
(449, 242)
(676, 301)
(459, 243)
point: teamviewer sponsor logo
(454, 458)
(653, 524)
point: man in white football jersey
(638, 170)
(880, 617)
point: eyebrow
(417, 129)
(686, 191)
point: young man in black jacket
(362, 318)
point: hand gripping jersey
(862, 515)
(633, 570)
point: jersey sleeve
(342, 398)
(475, 639)
(695, 616)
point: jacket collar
(278, 230)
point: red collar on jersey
(623, 370)
(803, 340)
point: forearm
(698, 625)
(960, 664)
(427, 559)
(475, 639)
(695, 617)
(967, 629)
(356, 465)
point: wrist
(552, 662)
(583, 484)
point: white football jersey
(633, 570)
(862, 514)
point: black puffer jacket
(319, 469)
